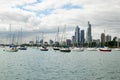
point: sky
(37, 16)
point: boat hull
(78, 49)
(116, 49)
(44, 49)
(91, 49)
(65, 50)
(22, 48)
(11, 50)
(105, 50)
(56, 48)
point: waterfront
(34, 64)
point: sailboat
(56, 47)
(91, 49)
(105, 49)
(64, 48)
(116, 49)
(43, 47)
(78, 49)
(11, 47)
(21, 46)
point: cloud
(47, 15)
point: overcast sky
(36, 16)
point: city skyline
(36, 16)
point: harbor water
(33, 64)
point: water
(34, 64)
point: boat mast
(58, 35)
(42, 38)
(21, 35)
(64, 35)
(118, 43)
(10, 34)
(13, 39)
(104, 40)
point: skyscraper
(89, 35)
(102, 38)
(77, 34)
(107, 38)
(73, 40)
(82, 36)
(68, 41)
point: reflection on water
(36, 65)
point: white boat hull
(78, 49)
(91, 49)
(43, 49)
(11, 49)
(116, 49)
(65, 50)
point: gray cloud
(103, 15)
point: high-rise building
(97, 41)
(73, 40)
(102, 38)
(77, 34)
(68, 41)
(82, 36)
(89, 34)
(107, 38)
